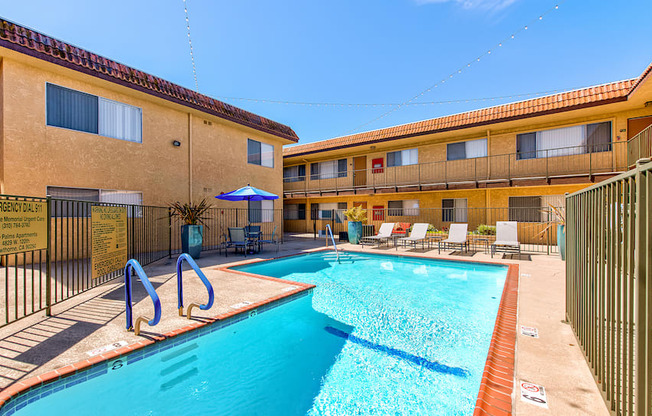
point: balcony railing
(639, 146)
(587, 160)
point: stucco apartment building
(77, 125)
(524, 156)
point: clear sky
(358, 51)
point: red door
(378, 213)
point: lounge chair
(384, 234)
(456, 237)
(418, 235)
(237, 239)
(506, 238)
(273, 239)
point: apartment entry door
(360, 171)
(636, 125)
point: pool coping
(21, 388)
(496, 394)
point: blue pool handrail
(330, 234)
(211, 295)
(134, 265)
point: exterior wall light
(176, 143)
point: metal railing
(608, 286)
(639, 146)
(35, 280)
(587, 160)
(537, 228)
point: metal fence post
(642, 256)
(48, 261)
(169, 233)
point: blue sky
(358, 51)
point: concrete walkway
(38, 344)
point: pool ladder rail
(211, 296)
(330, 234)
(133, 265)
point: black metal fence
(35, 280)
(537, 226)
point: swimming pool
(379, 335)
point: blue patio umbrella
(247, 193)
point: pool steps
(133, 265)
(211, 296)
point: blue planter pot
(355, 232)
(192, 237)
(561, 240)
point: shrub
(484, 229)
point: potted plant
(192, 232)
(355, 215)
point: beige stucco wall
(35, 156)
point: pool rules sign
(108, 239)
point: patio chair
(506, 238)
(418, 235)
(237, 239)
(384, 234)
(273, 240)
(456, 237)
(402, 227)
(253, 234)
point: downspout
(190, 157)
(488, 154)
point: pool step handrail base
(209, 288)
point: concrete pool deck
(39, 344)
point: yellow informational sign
(23, 226)
(108, 239)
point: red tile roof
(565, 101)
(30, 42)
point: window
(328, 170)
(332, 210)
(294, 212)
(261, 211)
(525, 208)
(574, 140)
(454, 210)
(109, 196)
(403, 158)
(466, 150)
(79, 111)
(294, 173)
(533, 208)
(409, 207)
(261, 154)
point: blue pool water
(381, 335)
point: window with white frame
(259, 153)
(328, 170)
(454, 210)
(332, 210)
(466, 150)
(407, 207)
(76, 110)
(565, 141)
(261, 211)
(403, 157)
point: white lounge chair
(384, 234)
(506, 238)
(456, 237)
(418, 235)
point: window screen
(455, 151)
(253, 152)
(526, 146)
(598, 137)
(394, 208)
(525, 208)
